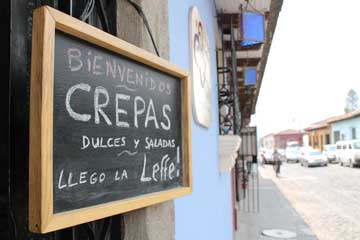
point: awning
(228, 147)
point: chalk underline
(127, 152)
(126, 87)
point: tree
(352, 100)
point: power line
(141, 13)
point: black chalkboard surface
(117, 127)
(110, 125)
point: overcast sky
(313, 63)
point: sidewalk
(272, 211)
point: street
(327, 198)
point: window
(357, 145)
(342, 136)
(353, 133)
(332, 148)
(350, 146)
(321, 140)
(316, 140)
(327, 139)
(315, 153)
(336, 136)
(344, 147)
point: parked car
(305, 149)
(312, 157)
(348, 152)
(330, 153)
(268, 156)
(281, 151)
(292, 154)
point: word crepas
(140, 108)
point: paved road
(328, 198)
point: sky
(312, 64)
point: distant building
(319, 133)
(281, 139)
(331, 130)
(346, 126)
(306, 140)
(267, 141)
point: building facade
(280, 139)
(346, 127)
(268, 141)
(333, 129)
(284, 137)
(160, 27)
(211, 197)
(319, 133)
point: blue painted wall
(206, 214)
(345, 126)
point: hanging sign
(250, 75)
(252, 29)
(109, 125)
(200, 69)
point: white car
(312, 158)
(348, 152)
(330, 152)
(292, 154)
(305, 149)
(268, 156)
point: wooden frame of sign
(46, 23)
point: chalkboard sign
(109, 125)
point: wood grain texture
(94, 35)
(186, 131)
(41, 95)
(63, 220)
(41, 216)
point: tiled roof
(289, 131)
(320, 124)
(285, 132)
(324, 123)
(346, 116)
